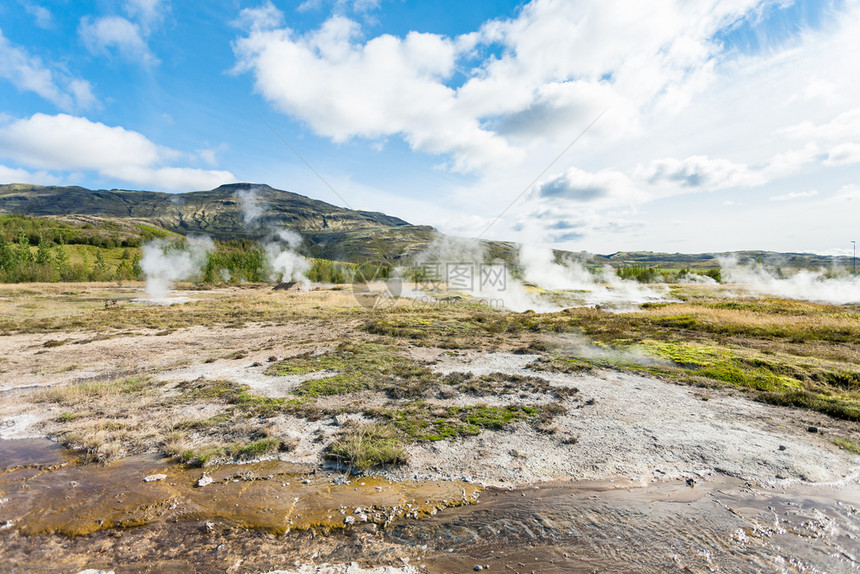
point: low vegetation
(367, 446)
(799, 354)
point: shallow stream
(56, 516)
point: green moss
(847, 444)
(368, 446)
(424, 422)
(355, 367)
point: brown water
(58, 517)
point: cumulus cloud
(116, 34)
(843, 154)
(343, 85)
(687, 112)
(701, 172)
(125, 36)
(581, 186)
(65, 142)
(343, 88)
(29, 73)
(41, 15)
(146, 12)
(18, 175)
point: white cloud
(115, 33)
(558, 70)
(685, 113)
(17, 175)
(385, 86)
(265, 17)
(30, 73)
(341, 6)
(843, 154)
(794, 195)
(845, 125)
(847, 193)
(63, 142)
(700, 172)
(41, 15)
(146, 12)
(584, 187)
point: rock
(691, 483)
(782, 447)
(478, 568)
(812, 429)
(272, 359)
(340, 420)
(349, 520)
(154, 477)
(204, 480)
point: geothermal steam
(803, 285)
(572, 284)
(164, 264)
(286, 264)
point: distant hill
(330, 231)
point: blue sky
(730, 124)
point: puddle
(274, 496)
(32, 452)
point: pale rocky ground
(625, 426)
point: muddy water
(724, 525)
(58, 517)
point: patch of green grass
(68, 417)
(356, 367)
(255, 449)
(421, 421)
(250, 404)
(847, 444)
(368, 446)
(555, 364)
(215, 453)
(502, 384)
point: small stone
(154, 477)
(782, 447)
(340, 420)
(478, 568)
(691, 483)
(204, 480)
(349, 520)
(272, 359)
(812, 429)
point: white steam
(249, 203)
(163, 264)
(803, 285)
(548, 285)
(285, 263)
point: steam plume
(163, 265)
(803, 285)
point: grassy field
(798, 354)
